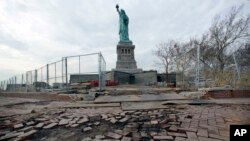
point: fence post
(47, 76)
(12, 83)
(35, 79)
(15, 83)
(55, 72)
(66, 71)
(42, 74)
(62, 74)
(198, 67)
(99, 71)
(31, 78)
(22, 80)
(7, 82)
(26, 81)
(79, 64)
(4, 83)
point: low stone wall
(121, 77)
(227, 94)
(75, 78)
(146, 77)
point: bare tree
(224, 33)
(216, 45)
(175, 56)
(165, 53)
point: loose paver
(97, 123)
(163, 138)
(218, 137)
(126, 139)
(191, 135)
(124, 120)
(173, 128)
(41, 119)
(50, 125)
(30, 123)
(154, 122)
(11, 135)
(122, 132)
(202, 132)
(39, 125)
(208, 139)
(176, 134)
(104, 116)
(99, 136)
(20, 125)
(27, 128)
(180, 139)
(83, 120)
(113, 120)
(188, 129)
(74, 125)
(87, 129)
(87, 139)
(113, 135)
(64, 122)
(27, 134)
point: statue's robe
(123, 31)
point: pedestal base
(125, 56)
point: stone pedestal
(125, 56)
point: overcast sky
(36, 32)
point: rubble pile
(159, 124)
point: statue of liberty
(123, 21)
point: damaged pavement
(122, 117)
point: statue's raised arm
(123, 24)
(117, 8)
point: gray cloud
(34, 33)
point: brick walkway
(211, 123)
(176, 123)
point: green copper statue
(123, 20)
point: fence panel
(59, 74)
(83, 68)
(102, 72)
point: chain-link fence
(59, 74)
